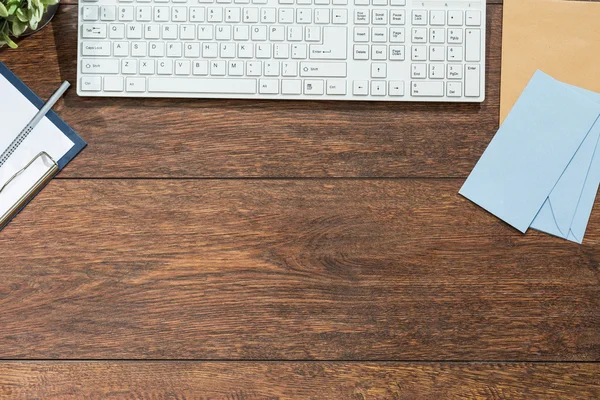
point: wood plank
(289, 270)
(324, 381)
(237, 138)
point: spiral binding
(15, 145)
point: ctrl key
(91, 84)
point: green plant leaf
(18, 27)
(6, 39)
(3, 11)
(12, 8)
(20, 14)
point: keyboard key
(334, 45)
(455, 71)
(361, 51)
(90, 13)
(91, 84)
(202, 85)
(126, 13)
(473, 18)
(437, 35)
(340, 16)
(323, 69)
(397, 35)
(427, 89)
(147, 67)
(472, 81)
(397, 53)
(291, 86)
(108, 13)
(129, 67)
(419, 35)
(93, 31)
(313, 87)
(419, 17)
(378, 88)
(380, 17)
(419, 53)
(419, 71)
(396, 88)
(437, 71)
(336, 87)
(200, 68)
(95, 49)
(268, 86)
(114, 84)
(378, 70)
(473, 45)
(183, 67)
(361, 17)
(135, 85)
(379, 52)
(437, 53)
(455, 53)
(455, 18)
(379, 35)
(99, 66)
(437, 17)
(454, 89)
(361, 88)
(455, 36)
(397, 17)
(361, 34)
(121, 49)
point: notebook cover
(78, 143)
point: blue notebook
(45, 152)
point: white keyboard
(380, 50)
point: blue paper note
(530, 153)
(567, 210)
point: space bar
(202, 85)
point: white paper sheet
(15, 112)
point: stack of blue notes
(542, 168)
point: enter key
(334, 47)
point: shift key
(99, 66)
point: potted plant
(22, 17)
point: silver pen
(32, 124)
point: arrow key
(378, 70)
(361, 88)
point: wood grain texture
(322, 381)
(243, 138)
(290, 270)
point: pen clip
(16, 175)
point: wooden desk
(276, 250)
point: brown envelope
(561, 38)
